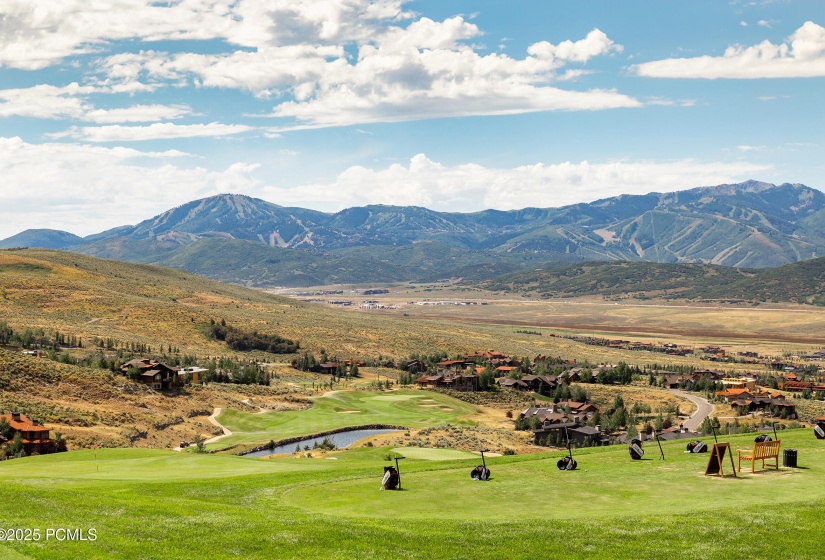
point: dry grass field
(87, 297)
(770, 329)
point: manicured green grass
(159, 504)
(429, 454)
(409, 408)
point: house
(785, 408)
(330, 368)
(34, 435)
(155, 374)
(558, 431)
(709, 373)
(733, 394)
(415, 366)
(739, 383)
(452, 364)
(797, 385)
(588, 435)
(517, 384)
(465, 382)
(578, 407)
(505, 370)
(195, 375)
(430, 381)
(541, 384)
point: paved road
(704, 409)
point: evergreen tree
(17, 448)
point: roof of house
(587, 430)
(24, 424)
(506, 382)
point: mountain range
(240, 239)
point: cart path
(213, 419)
(703, 410)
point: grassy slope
(87, 297)
(155, 504)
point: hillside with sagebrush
(94, 406)
(149, 306)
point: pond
(341, 440)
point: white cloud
(803, 56)
(71, 102)
(35, 34)
(119, 133)
(596, 43)
(418, 72)
(138, 113)
(44, 102)
(387, 85)
(473, 187)
(747, 148)
(298, 53)
(87, 189)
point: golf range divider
(392, 475)
(481, 472)
(635, 449)
(567, 463)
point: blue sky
(109, 116)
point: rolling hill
(802, 282)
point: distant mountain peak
(748, 224)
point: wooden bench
(762, 450)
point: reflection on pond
(340, 440)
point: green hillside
(45, 238)
(802, 282)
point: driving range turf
(162, 504)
